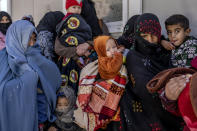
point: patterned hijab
(127, 38)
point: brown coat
(160, 80)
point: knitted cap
(70, 3)
(148, 23)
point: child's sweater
(182, 55)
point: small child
(101, 86)
(64, 110)
(71, 44)
(178, 31)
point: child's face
(62, 103)
(74, 9)
(32, 39)
(177, 34)
(150, 37)
(111, 48)
(4, 19)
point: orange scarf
(108, 67)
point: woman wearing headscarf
(91, 18)
(5, 22)
(127, 38)
(29, 18)
(23, 69)
(47, 33)
(141, 111)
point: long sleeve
(65, 51)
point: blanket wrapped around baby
(98, 99)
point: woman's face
(32, 39)
(150, 37)
(4, 19)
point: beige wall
(165, 8)
(37, 8)
(162, 8)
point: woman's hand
(82, 49)
(175, 86)
(167, 45)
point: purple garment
(2, 41)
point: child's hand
(121, 49)
(167, 45)
(175, 86)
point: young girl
(66, 104)
(23, 70)
(5, 22)
(101, 86)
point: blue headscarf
(21, 68)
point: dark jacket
(91, 18)
(140, 110)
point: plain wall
(165, 8)
(37, 8)
(162, 8)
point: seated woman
(140, 110)
(101, 86)
(23, 69)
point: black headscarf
(50, 21)
(143, 63)
(158, 56)
(127, 38)
(89, 14)
(4, 26)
